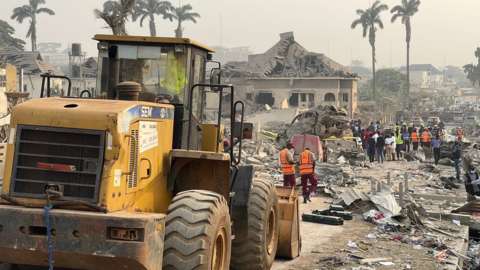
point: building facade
(8, 77)
(425, 76)
(304, 93)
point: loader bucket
(289, 239)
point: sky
(443, 30)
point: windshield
(160, 71)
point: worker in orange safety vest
(426, 138)
(415, 139)
(307, 173)
(288, 166)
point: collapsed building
(288, 75)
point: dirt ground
(325, 246)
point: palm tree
(31, 11)
(470, 72)
(149, 9)
(183, 14)
(115, 14)
(405, 11)
(6, 37)
(370, 19)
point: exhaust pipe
(128, 91)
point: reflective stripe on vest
(426, 137)
(415, 137)
(287, 168)
(306, 163)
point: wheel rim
(271, 235)
(219, 252)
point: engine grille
(68, 159)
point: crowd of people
(390, 144)
(381, 144)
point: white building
(425, 76)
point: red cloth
(300, 142)
(289, 180)
(306, 190)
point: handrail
(242, 115)
(48, 76)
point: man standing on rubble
(399, 143)
(288, 166)
(426, 143)
(436, 143)
(457, 158)
(390, 147)
(380, 148)
(415, 139)
(472, 183)
(307, 172)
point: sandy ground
(321, 243)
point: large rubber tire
(198, 232)
(256, 249)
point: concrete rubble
(407, 207)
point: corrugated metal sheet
(351, 195)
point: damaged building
(288, 75)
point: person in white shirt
(390, 146)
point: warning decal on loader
(148, 135)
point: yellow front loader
(133, 177)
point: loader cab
(166, 69)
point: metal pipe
(232, 122)
(48, 86)
(43, 86)
(20, 81)
(240, 139)
(219, 118)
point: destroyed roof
(31, 62)
(287, 58)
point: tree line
(115, 13)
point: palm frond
(45, 10)
(395, 17)
(355, 23)
(30, 30)
(365, 30)
(21, 13)
(145, 15)
(398, 9)
(379, 22)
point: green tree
(405, 12)
(183, 14)
(469, 70)
(6, 37)
(30, 12)
(390, 81)
(115, 14)
(473, 71)
(370, 21)
(149, 9)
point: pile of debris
(322, 121)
